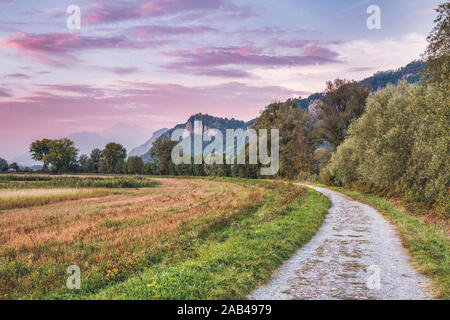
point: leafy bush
(400, 146)
(343, 167)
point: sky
(153, 63)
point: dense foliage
(401, 145)
(343, 102)
(3, 165)
(61, 154)
(438, 51)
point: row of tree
(4, 166)
(61, 156)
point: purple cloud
(359, 69)
(122, 71)
(158, 31)
(84, 90)
(221, 56)
(123, 11)
(18, 75)
(57, 48)
(293, 43)
(4, 93)
(222, 73)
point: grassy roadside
(227, 260)
(427, 244)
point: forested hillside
(208, 121)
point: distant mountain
(127, 135)
(122, 133)
(86, 141)
(145, 147)
(25, 160)
(410, 73)
(208, 122)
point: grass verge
(428, 244)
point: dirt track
(343, 261)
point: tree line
(4, 166)
(60, 155)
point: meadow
(137, 237)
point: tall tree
(135, 165)
(39, 150)
(85, 163)
(438, 50)
(343, 102)
(113, 154)
(96, 158)
(162, 150)
(14, 166)
(62, 155)
(3, 165)
(296, 145)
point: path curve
(354, 244)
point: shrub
(344, 163)
(400, 146)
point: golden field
(107, 233)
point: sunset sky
(153, 63)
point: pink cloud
(293, 43)
(18, 75)
(80, 89)
(314, 50)
(57, 48)
(222, 56)
(222, 73)
(156, 31)
(122, 70)
(4, 93)
(122, 11)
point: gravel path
(356, 254)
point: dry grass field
(106, 233)
(20, 198)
